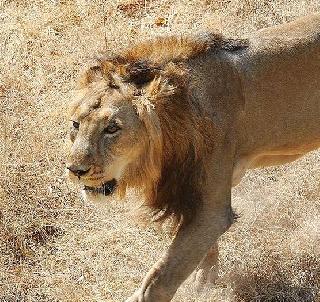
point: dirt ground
(56, 247)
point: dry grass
(56, 248)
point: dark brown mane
(179, 140)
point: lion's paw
(149, 295)
(203, 277)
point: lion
(183, 118)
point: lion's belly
(268, 158)
(247, 162)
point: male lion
(183, 118)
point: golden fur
(188, 117)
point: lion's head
(135, 126)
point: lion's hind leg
(207, 271)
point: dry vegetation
(53, 246)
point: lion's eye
(75, 125)
(111, 129)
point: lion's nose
(78, 170)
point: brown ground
(53, 246)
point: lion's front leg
(186, 251)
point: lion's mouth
(106, 189)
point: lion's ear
(141, 73)
(95, 73)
